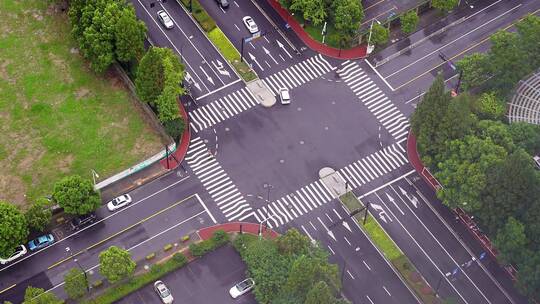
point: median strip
(390, 250)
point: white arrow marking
(268, 53)
(411, 197)
(330, 233)
(190, 80)
(382, 213)
(376, 207)
(283, 47)
(394, 202)
(207, 76)
(347, 226)
(255, 60)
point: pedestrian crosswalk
(218, 184)
(298, 74)
(376, 101)
(316, 194)
(219, 110)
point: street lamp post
(260, 225)
(94, 175)
(68, 250)
(268, 187)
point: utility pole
(167, 156)
(68, 250)
(242, 50)
(366, 212)
(268, 187)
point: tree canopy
(76, 283)
(13, 228)
(409, 21)
(39, 215)
(444, 5)
(76, 195)
(379, 34)
(34, 295)
(116, 264)
(347, 16)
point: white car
(165, 19)
(284, 96)
(163, 292)
(250, 24)
(119, 202)
(537, 161)
(19, 252)
(241, 288)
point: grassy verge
(220, 40)
(315, 32)
(58, 117)
(390, 250)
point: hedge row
(217, 240)
(200, 14)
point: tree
(311, 10)
(379, 34)
(293, 243)
(39, 215)
(409, 21)
(286, 4)
(13, 228)
(497, 132)
(490, 106)
(129, 35)
(463, 171)
(76, 195)
(306, 271)
(474, 69)
(150, 78)
(116, 264)
(175, 127)
(529, 32)
(427, 118)
(444, 5)
(511, 190)
(76, 284)
(529, 274)
(320, 293)
(511, 241)
(39, 296)
(526, 136)
(347, 16)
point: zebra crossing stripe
(378, 164)
(373, 166)
(295, 206)
(350, 173)
(319, 196)
(361, 174)
(386, 159)
(368, 171)
(296, 197)
(347, 178)
(286, 75)
(306, 74)
(307, 190)
(285, 209)
(298, 74)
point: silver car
(163, 292)
(241, 288)
(164, 18)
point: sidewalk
(354, 53)
(250, 228)
(178, 156)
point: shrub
(220, 238)
(185, 238)
(168, 247)
(174, 127)
(150, 256)
(179, 258)
(97, 283)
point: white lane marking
(236, 26)
(252, 45)
(350, 274)
(307, 233)
(394, 202)
(312, 225)
(268, 64)
(385, 185)
(222, 9)
(369, 299)
(380, 76)
(346, 240)
(281, 57)
(218, 89)
(332, 250)
(236, 4)
(204, 206)
(266, 39)
(367, 266)
(388, 292)
(339, 216)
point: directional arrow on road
(190, 80)
(330, 233)
(411, 197)
(347, 226)
(254, 59)
(207, 76)
(283, 47)
(219, 66)
(391, 199)
(382, 213)
(268, 53)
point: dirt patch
(62, 67)
(4, 73)
(65, 164)
(26, 164)
(12, 189)
(115, 80)
(82, 93)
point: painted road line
(371, 301)
(6, 289)
(331, 250)
(388, 292)
(380, 76)
(204, 206)
(389, 183)
(350, 274)
(121, 231)
(367, 266)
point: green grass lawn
(315, 32)
(58, 117)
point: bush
(150, 256)
(175, 127)
(220, 238)
(179, 258)
(185, 238)
(168, 247)
(97, 283)
(202, 17)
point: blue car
(41, 242)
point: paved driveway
(203, 281)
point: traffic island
(262, 93)
(389, 249)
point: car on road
(119, 202)
(163, 292)
(223, 3)
(41, 242)
(82, 221)
(242, 288)
(537, 161)
(284, 96)
(164, 18)
(250, 24)
(19, 252)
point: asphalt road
(206, 280)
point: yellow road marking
(121, 231)
(462, 52)
(4, 290)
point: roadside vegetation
(483, 163)
(59, 117)
(290, 269)
(390, 250)
(219, 39)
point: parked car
(164, 18)
(41, 242)
(284, 96)
(163, 292)
(250, 24)
(537, 161)
(223, 3)
(83, 220)
(19, 252)
(241, 288)
(119, 202)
